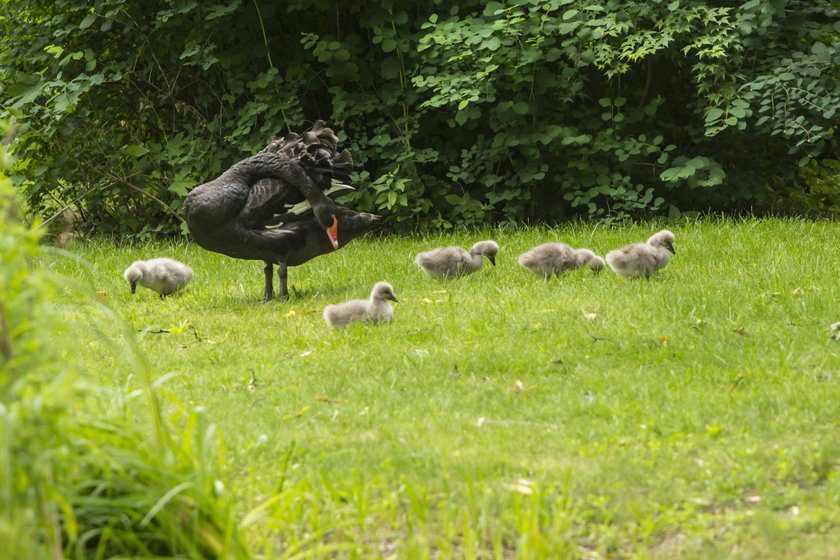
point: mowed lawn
(692, 415)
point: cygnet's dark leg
(268, 292)
(283, 274)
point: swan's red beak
(332, 233)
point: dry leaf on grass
(299, 414)
(522, 486)
(518, 387)
(657, 342)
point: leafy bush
(456, 112)
(80, 478)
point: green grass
(695, 415)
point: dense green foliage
(89, 470)
(456, 112)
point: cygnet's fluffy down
(375, 310)
(448, 262)
(164, 276)
(643, 259)
(551, 259)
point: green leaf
(673, 212)
(54, 50)
(136, 150)
(181, 187)
(493, 43)
(389, 45)
(88, 21)
(521, 108)
(713, 114)
(569, 14)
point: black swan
(245, 212)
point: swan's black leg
(283, 274)
(268, 292)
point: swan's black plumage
(243, 213)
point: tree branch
(122, 181)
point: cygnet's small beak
(133, 287)
(332, 233)
(392, 297)
(492, 260)
(671, 248)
